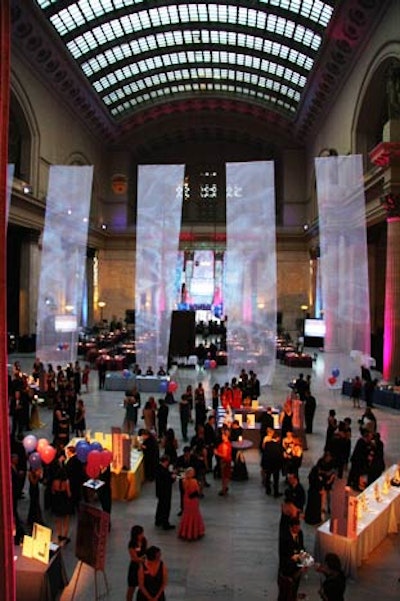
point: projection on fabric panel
(250, 269)
(63, 263)
(157, 242)
(10, 178)
(344, 264)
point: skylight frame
(108, 37)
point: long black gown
(312, 513)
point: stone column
(29, 282)
(7, 578)
(391, 338)
(387, 156)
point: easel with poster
(91, 539)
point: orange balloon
(42, 443)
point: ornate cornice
(33, 38)
(391, 204)
(385, 153)
(347, 35)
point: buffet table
(119, 381)
(37, 580)
(381, 519)
(388, 397)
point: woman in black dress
(153, 577)
(61, 503)
(137, 549)
(35, 512)
(286, 419)
(313, 508)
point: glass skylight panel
(45, 3)
(199, 40)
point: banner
(159, 214)
(250, 269)
(63, 263)
(344, 262)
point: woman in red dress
(191, 526)
(224, 452)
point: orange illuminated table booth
(126, 484)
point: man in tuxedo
(271, 461)
(295, 491)
(164, 482)
(290, 545)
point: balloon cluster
(210, 364)
(38, 451)
(63, 346)
(166, 386)
(94, 456)
(333, 378)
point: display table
(297, 360)
(117, 381)
(127, 484)
(115, 363)
(381, 519)
(242, 445)
(39, 581)
(252, 434)
(381, 396)
(245, 411)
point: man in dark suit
(290, 545)
(295, 491)
(164, 482)
(271, 461)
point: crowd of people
(208, 452)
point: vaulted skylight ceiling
(138, 53)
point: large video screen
(314, 328)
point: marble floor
(238, 557)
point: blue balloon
(82, 450)
(34, 460)
(336, 372)
(207, 364)
(126, 373)
(96, 446)
(164, 386)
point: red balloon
(92, 470)
(332, 380)
(106, 458)
(213, 364)
(172, 387)
(94, 458)
(47, 454)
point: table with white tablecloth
(127, 381)
(381, 518)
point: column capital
(391, 203)
(385, 154)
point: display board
(91, 537)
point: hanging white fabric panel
(250, 269)
(63, 262)
(344, 262)
(157, 241)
